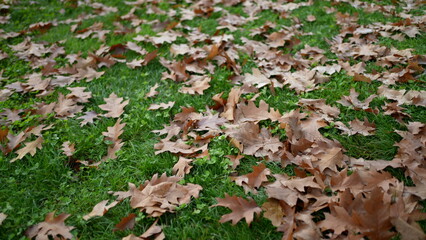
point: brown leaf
(88, 117)
(240, 207)
(251, 113)
(2, 217)
(161, 194)
(273, 211)
(253, 179)
(68, 148)
(198, 85)
(126, 223)
(114, 105)
(408, 231)
(152, 91)
(353, 101)
(14, 141)
(113, 135)
(100, 209)
(30, 147)
(168, 105)
(361, 78)
(152, 231)
(255, 141)
(66, 107)
(235, 159)
(233, 98)
(256, 79)
(78, 94)
(52, 227)
(182, 167)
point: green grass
(34, 186)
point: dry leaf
(126, 223)
(240, 207)
(52, 228)
(114, 105)
(30, 147)
(100, 209)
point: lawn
(229, 119)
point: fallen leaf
(240, 207)
(168, 105)
(152, 91)
(182, 167)
(52, 228)
(126, 223)
(114, 105)
(100, 209)
(30, 147)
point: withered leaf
(100, 209)
(198, 85)
(88, 117)
(114, 105)
(152, 231)
(182, 167)
(30, 147)
(68, 148)
(52, 227)
(273, 211)
(152, 91)
(254, 179)
(168, 105)
(126, 223)
(2, 217)
(235, 159)
(240, 207)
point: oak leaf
(126, 223)
(30, 147)
(168, 105)
(254, 179)
(182, 167)
(68, 148)
(2, 217)
(240, 207)
(88, 117)
(100, 209)
(52, 228)
(114, 105)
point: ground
(322, 102)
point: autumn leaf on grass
(113, 135)
(251, 113)
(152, 91)
(182, 167)
(235, 159)
(356, 126)
(52, 228)
(30, 147)
(114, 105)
(2, 217)
(68, 148)
(14, 141)
(161, 105)
(256, 79)
(100, 209)
(160, 194)
(88, 117)
(240, 207)
(198, 85)
(353, 101)
(254, 179)
(153, 231)
(126, 223)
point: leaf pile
(330, 194)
